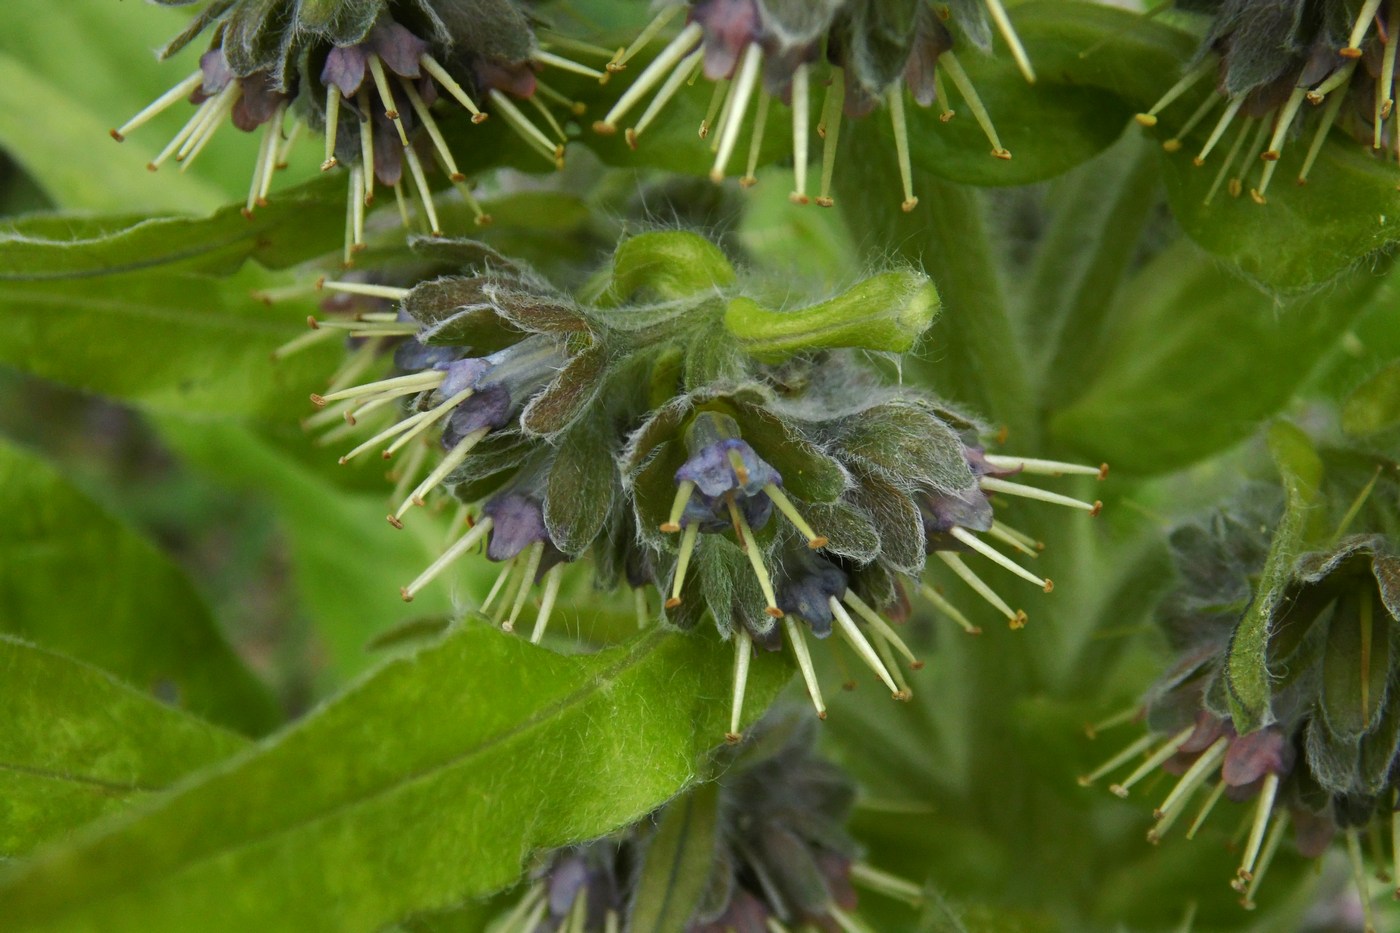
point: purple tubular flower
(1251, 757)
(490, 408)
(712, 469)
(462, 375)
(730, 26)
(809, 594)
(345, 69)
(517, 523)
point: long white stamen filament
(1201, 815)
(881, 626)
(992, 484)
(293, 137)
(527, 130)
(737, 106)
(507, 570)
(639, 606)
(440, 75)
(206, 118)
(367, 177)
(660, 22)
(513, 920)
(1187, 82)
(718, 98)
(179, 138)
(263, 164)
(1358, 874)
(1266, 858)
(479, 215)
(332, 127)
(804, 663)
(882, 647)
(760, 123)
(1015, 619)
(1194, 775)
(567, 64)
(412, 382)
(1118, 760)
(801, 114)
(297, 344)
(460, 547)
(215, 118)
(1385, 99)
(452, 461)
(743, 651)
(991, 553)
(894, 97)
(158, 106)
(576, 107)
(1046, 467)
(683, 494)
(998, 532)
(430, 418)
(750, 547)
(274, 132)
(873, 879)
(1112, 721)
(1358, 30)
(1153, 761)
(829, 129)
(683, 563)
(1221, 126)
(1324, 126)
(1197, 115)
(851, 632)
(357, 210)
(684, 71)
(677, 49)
(1008, 32)
(398, 427)
(1252, 158)
(948, 609)
(356, 365)
(407, 471)
(845, 921)
(1263, 810)
(1282, 122)
(365, 288)
(784, 504)
(532, 568)
(425, 117)
(425, 194)
(516, 583)
(386, 95)
(1229, 160)
(950, 63)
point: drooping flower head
(755, 51)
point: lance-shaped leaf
(886, 312)
(76, 580)
(426, 783)
(582, 486)
(1246, 665)
(77, 743)
(677, 863)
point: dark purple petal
(463, 374)
(518, 523)
(400, 49)
(1251, 757)
(217, 74)
(345, 69)
(488, 408)
(808, 595)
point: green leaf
(164, 340)
(74, 579)
(1246, 665)
(77, 744)
(1196, 359)
(1374, 406)
(676, 866)
(441, 771)
(582, 486)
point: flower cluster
(772, 839)
(366, 74)
(1273, 62)
(757, 50)
(1324, 755)
(679, 435)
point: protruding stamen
(463, 544)
(760, 123)
(1015, 618)
(1266, 858)
(829, 129)
(683, 494)
(1221, 126)
(882, 648)
(1187, 82)
(658, 23)
(852, 633)
(454, 458)
(1153, 762)
(804, 663)
(991, 553)
(639, 606)
(366, 146)
(425, 117)
(386, 95)
(873, 879)
(332, 126)
(950, 63)
(398, 427)
(998, 532)
(356, 206)
(743, 651)
(425, 194)
(1282, 122)
(784, 504)
(881, 626)
(1201, 815)
(894, 97)
(221, 106)
(413, 382)
(479, 215)
(948, 609)
(1263, 810)
(749, 543)
(158, 106)
(517, 583)
(567, 64)
(1112, 721)
(401, 202)
(1358, 875)
(178, 141)
(677, 49)
(1194, 776)
(440, 75)
(801, 113)
(1117, 761)
(532, 567)
(1385, 99)
(1252, 157)
(534, 101)
(684, 71)
(735, 108)
(527, 130)
(430, 417)
(297, 344)
(1228, 162)
(992, 484)
(1324, 126)
(1046, 467)
(718, 98)
(368, 289)
(263, 179)
(507, 572)
(687, 548)
(845, 921)
(1008, 32)
(1197, 115)
(1358, 30)
(406, 473)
